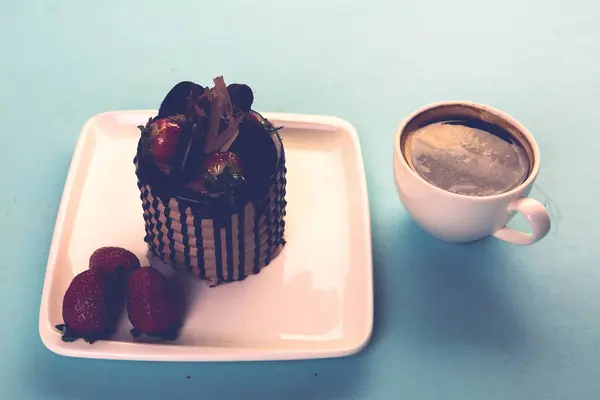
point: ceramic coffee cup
(456, 217)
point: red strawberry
(153, 306)
(222, 172)
(217, 163)
(164, 135)
(107, 259)
(90, 308)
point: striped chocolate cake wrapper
(224, 250)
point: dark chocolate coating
(255, 147)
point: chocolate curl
(213, 119)
(221, 90)
(193, 103)
(230, 136)
(221, 108)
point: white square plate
(315, 300)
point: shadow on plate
(70, 378)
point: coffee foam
(460, 157)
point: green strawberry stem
(211, 182)
(135, 333)
(145, 129)
(169, 335)
(69, 336)
(226, 182)
(269, 127)
(234, 181)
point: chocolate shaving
(221, 108)
(235, 127)
(221, 90)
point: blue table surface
(485, 320)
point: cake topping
(223, 174)
(221, 111)
(241, 97)
(164, 134)
(195, 141)
(177, 100)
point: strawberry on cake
(211, 173)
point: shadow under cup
(467, 150)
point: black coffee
(467, 156)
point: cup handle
(538, 218)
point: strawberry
(219, 163)
(90, 308)
(153, 306)
(222, 172)
(107, 260)
(164, 134)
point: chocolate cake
(211, 173)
